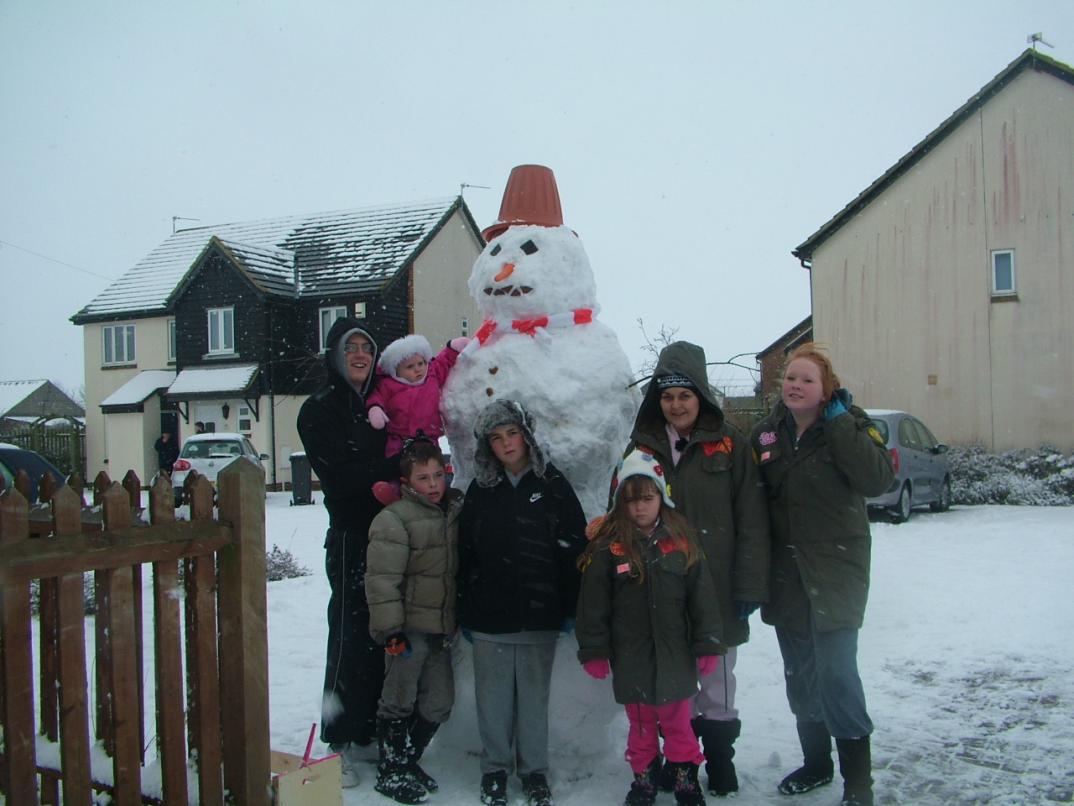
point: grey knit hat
(488, 469)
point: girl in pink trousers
(647, 613)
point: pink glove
(377, 418)
(458, 344)
(707, 664)
(597, 669)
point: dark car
(920, 460)
(13, 459)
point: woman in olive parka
(820, 457)
(716, 486)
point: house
(772, 358)
(40, 416)
(225, 325)
(946, 288)
(23, 403)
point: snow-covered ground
(967, 657)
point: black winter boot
(856, 767)
(718, 740)
(535, 788)
(643, 790)
(421, 733)
(494, 788)
(817, 768)
(394, 779)
(687, 789)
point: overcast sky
(695, 144)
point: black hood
(680, 358)
(340, 331)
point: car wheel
(901, 512)
(943, 503)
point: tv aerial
(1033, 39)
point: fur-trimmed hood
(401, 349)
(487, 468)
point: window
(221, 330)
(908, 436)
(171, 340)
(244, 418)
(1003, 273)
(465, 327)
(118, 344)
(328, 318)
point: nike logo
(536, 497)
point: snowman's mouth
(508, 291)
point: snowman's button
(493, 370)
(488, 391)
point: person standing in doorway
(167, 451)
(347, 454)
(716, 486)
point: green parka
(652, 631)
(716, 486)
(820, 531)
(411, 565)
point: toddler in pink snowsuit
(406, 397)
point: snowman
(541, 344)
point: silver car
(209, 454)
(921, 474)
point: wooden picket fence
(221, 732)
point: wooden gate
(218, 731)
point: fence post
(74, 718)
(124, 670)
(167, 646)
(133, 487)
(203, 670)
(243, 635)
(16, 675)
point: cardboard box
(315, 783)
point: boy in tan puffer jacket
(411, 565)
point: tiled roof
(271, 270)
(12, 393)
(351, 251)
(141, 386)
(197, 381)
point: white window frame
(996, 290)
(171, 341)
(111, 346)
(334, 312)
(219, 330)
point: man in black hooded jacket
(347, 454)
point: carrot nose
(504, 272)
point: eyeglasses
(364, 347)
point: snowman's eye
(529, 247)
(495, 250)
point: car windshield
(882, 427)
(204, 449)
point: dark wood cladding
(279, 333)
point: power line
(54, 260)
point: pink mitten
(597, 669)
(377, 418)
(458, 344)
(707, 664)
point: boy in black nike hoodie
(520, 533)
